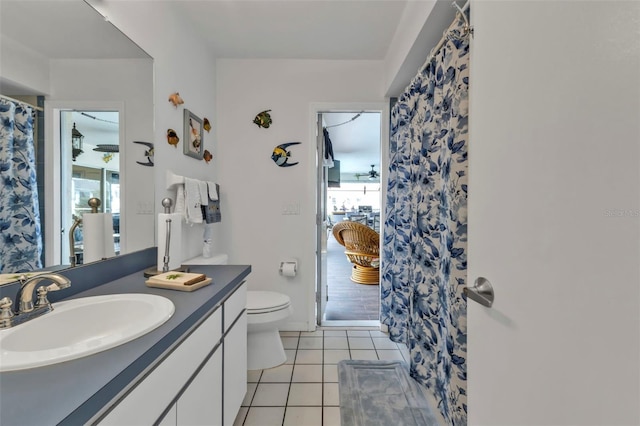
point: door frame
(334, 107)
(52, 172)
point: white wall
(255, 190)
(23, 66)
(182, 64)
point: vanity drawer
(155, 392)
(234, 305)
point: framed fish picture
(193, 134)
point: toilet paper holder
(285, 268)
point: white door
(554, 213)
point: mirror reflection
(73, 67)
(94, 174)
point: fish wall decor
(147, 152)
(175, 99)
(281, 155)
(263, 119)
(207, 156)
(207, 124)
(172, 138)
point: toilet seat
(262, 302)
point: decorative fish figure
(148, 153)
(175, 99)
(107, 157)
(207, 125)
(207, 156)
(172, 138)
(263, 119)
(280, 154)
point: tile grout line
(286, 403)
(246, 415)
(322, 386)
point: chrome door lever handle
(481, 292)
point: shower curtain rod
(443, 40)
(22, 103)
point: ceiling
(279, 29)
(355, 138)
(296, 29)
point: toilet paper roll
(175, 242)
(288, 269)
(97, 236)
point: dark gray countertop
(73, 392)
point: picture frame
(193, 135)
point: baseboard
(297, 326)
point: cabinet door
(201, 402)
(148, 400)
(235, 368)
(170, 419)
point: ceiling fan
(372, 174)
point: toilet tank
(218, 259)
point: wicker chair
(362, 247)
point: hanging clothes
(328, 159)
(423, 263)
(20, 231)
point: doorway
(96, 172)
(90, 169)
(349, 188)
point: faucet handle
(6, 312)
(50, 287)
(42, 296)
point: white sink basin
(80, 327)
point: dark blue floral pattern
(424, 258)
(20, 234)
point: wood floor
(348, 301)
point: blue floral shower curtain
(423, 264)
(20, 235)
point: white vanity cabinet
(201, 382)
(235, 354)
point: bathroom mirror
(71, 55)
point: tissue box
(182, 281)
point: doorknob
(481, 292)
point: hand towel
(213, 190)
(192, 201)
(204, 192)
(211, 210)
(180, 201)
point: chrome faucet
(24, 309)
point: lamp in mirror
(76, 142)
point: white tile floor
(304, 390)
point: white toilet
(266, 310)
